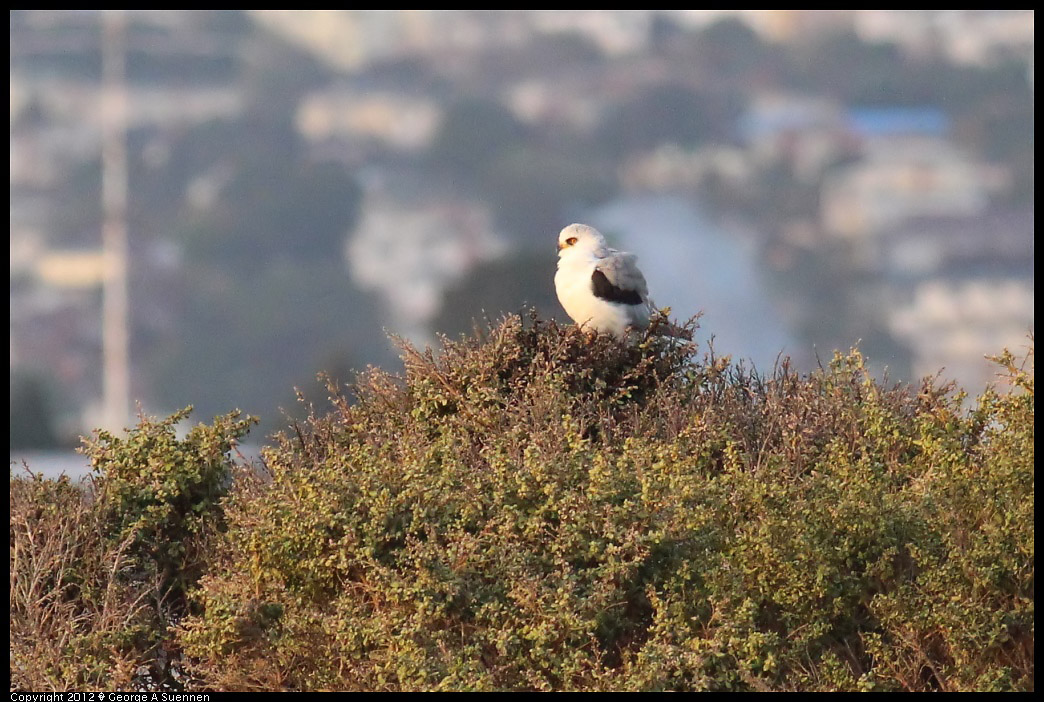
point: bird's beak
(561, 245)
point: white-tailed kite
(601, 288)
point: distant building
(566, 101)
(808, 133)
(901, 178)
(353, 39)
(179, 74)
(997, 243)
(342, 38)
(774, 25)
(793, 25)
(960, 288)
(908, 167)
(72, 269)
(673, 168)
(614, 31)
(957, 279)
(952, 324)
(411, 252)
(973, 37)
(56, 117)
(392, 119)
(870, 124)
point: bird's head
(580, 237)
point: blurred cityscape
(300, 183)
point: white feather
(577, 262)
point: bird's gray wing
(616, 278)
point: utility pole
(115, 337)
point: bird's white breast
(573, 286)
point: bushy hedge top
(536, 509)
(540, 510)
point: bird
(602, 289)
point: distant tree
(246, 340)
(663, 32)
(473, 134)
(233, 22)
(534, 190)
(272, 209)
(265, 297)
(497, 288)
(842, 65)
(559, 51)
(729, 48)
(275, 76)
(77, 214)
(530, 179)
(544, 57)
(658, 114)
(408, 74)
(32, 116)
(32, 419)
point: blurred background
(209, 207)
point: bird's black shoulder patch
(603, 289)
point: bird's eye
(571, 240)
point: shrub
(99, 572)
(539, 510)
(75, 621)
(164, 493)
